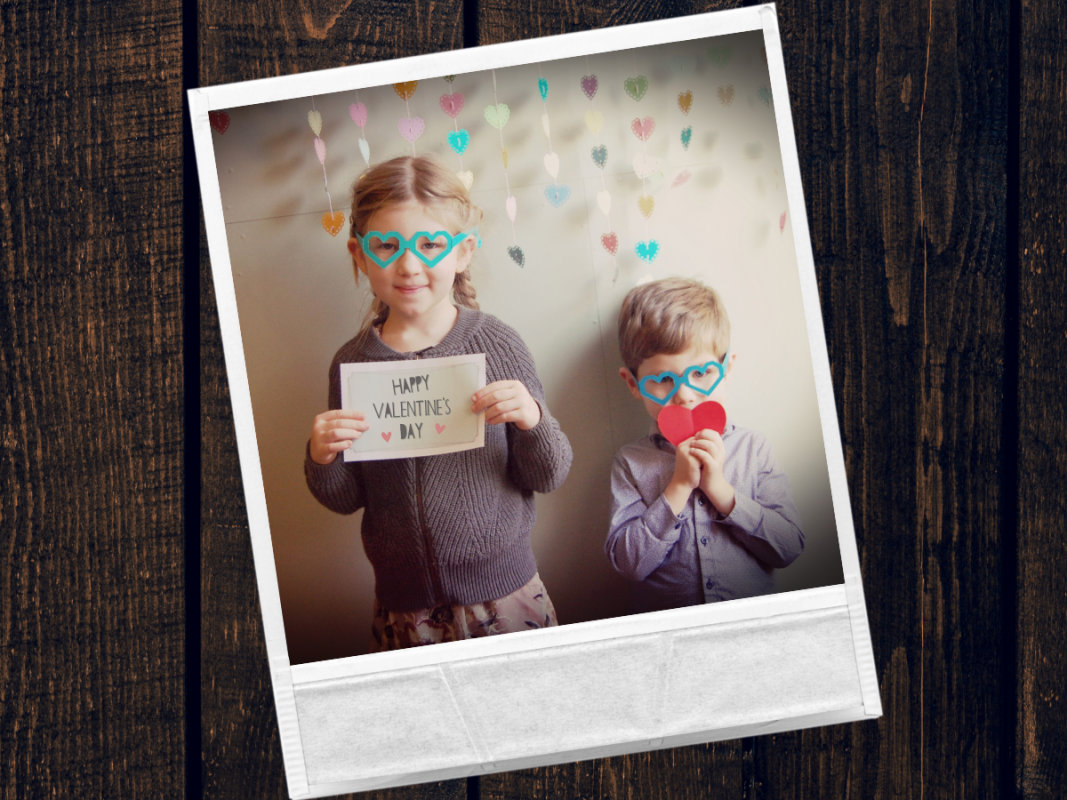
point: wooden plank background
(932, 150)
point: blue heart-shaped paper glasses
(677, 380)
(443, 239)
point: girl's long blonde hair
(429, 182)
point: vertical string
(500, 130)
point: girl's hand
(507, 401)
(708, 448)
(334, 431)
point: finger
(342, 413)
(493, 398)
(490, 387)
(350, 424)
(507, 411)
(341, 434)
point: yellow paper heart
(504, 155)
(315, 121)
(594, 120)
(406, 89)
(646, 203)
(333, 222)
(685, 101)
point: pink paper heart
(320, 150)
(678, 423)
(781, 223)
(439, 426)
(452, 104)
(387, 435)
(589, 85)
(610, 242)
(358, 112)
(681, 178)
(643, 128)
(411, 128)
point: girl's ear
(359, 261)
(464, 253)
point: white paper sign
(415, 408)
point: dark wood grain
(901, 126)
(241, 41)
(1042, 368)
(91, 541)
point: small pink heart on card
(387, 435)
(678, 423)
(358, 112)
(643, 128)
(452, 104)
(439, 426)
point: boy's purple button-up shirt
(700, 556)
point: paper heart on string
(552, 165)
(320, 150)
(681, 178)
(557, 195)
(679, 423)
(358, 113)
(459, 141)
(647, 251)
(517, 255)
(542, 87)
(603, 199)
(220, 120)
(544, 124)
(315, 121)
(449, 78)
(333, 222)
(411, 128)
(781, 223)
(764, 95)
(720, 56)
(405, 89)
(645, 165)
(467, 177)
(687, 135)
(636, 87)
(610, 242)
(504, 156)
(685, 102)
(511, 205)
(643, 128)
(497, 115)
(646, 203)
(726, 94)
(594, 120)
(600, 156)
(589, 85)
(452, 104)
(683, 65)
(364, 150)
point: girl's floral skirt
(524, 609)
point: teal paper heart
(459, 141)
(600, 156)
(687, 136)
(557, 195)
(764, 95)
(647, 251)
(542, 86)
(517, 255)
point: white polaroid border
(585, 690)
(478, 359)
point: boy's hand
(334, 431)
(686, 477)
(507, 401)
(708, 448)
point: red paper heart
(610, 242)
(678, 423)
(220, 120)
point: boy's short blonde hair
(668, 315)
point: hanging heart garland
(497, 115)
(556, 194)
(334, 220)
(594, 121)
(459, 139)
(410, 127)
(358, 112)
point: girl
(448, 535)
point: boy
(711, 519)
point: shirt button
(708, 584)
(676, 527)
(703, 539)
(701, 501)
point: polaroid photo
(629, 529)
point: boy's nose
(684, 396)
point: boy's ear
(729, 369)
(631, 384)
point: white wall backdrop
(298, 301)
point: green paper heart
(517, 255)
(636, 87)
(497, 115)
(600, 156)
(720, 56)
